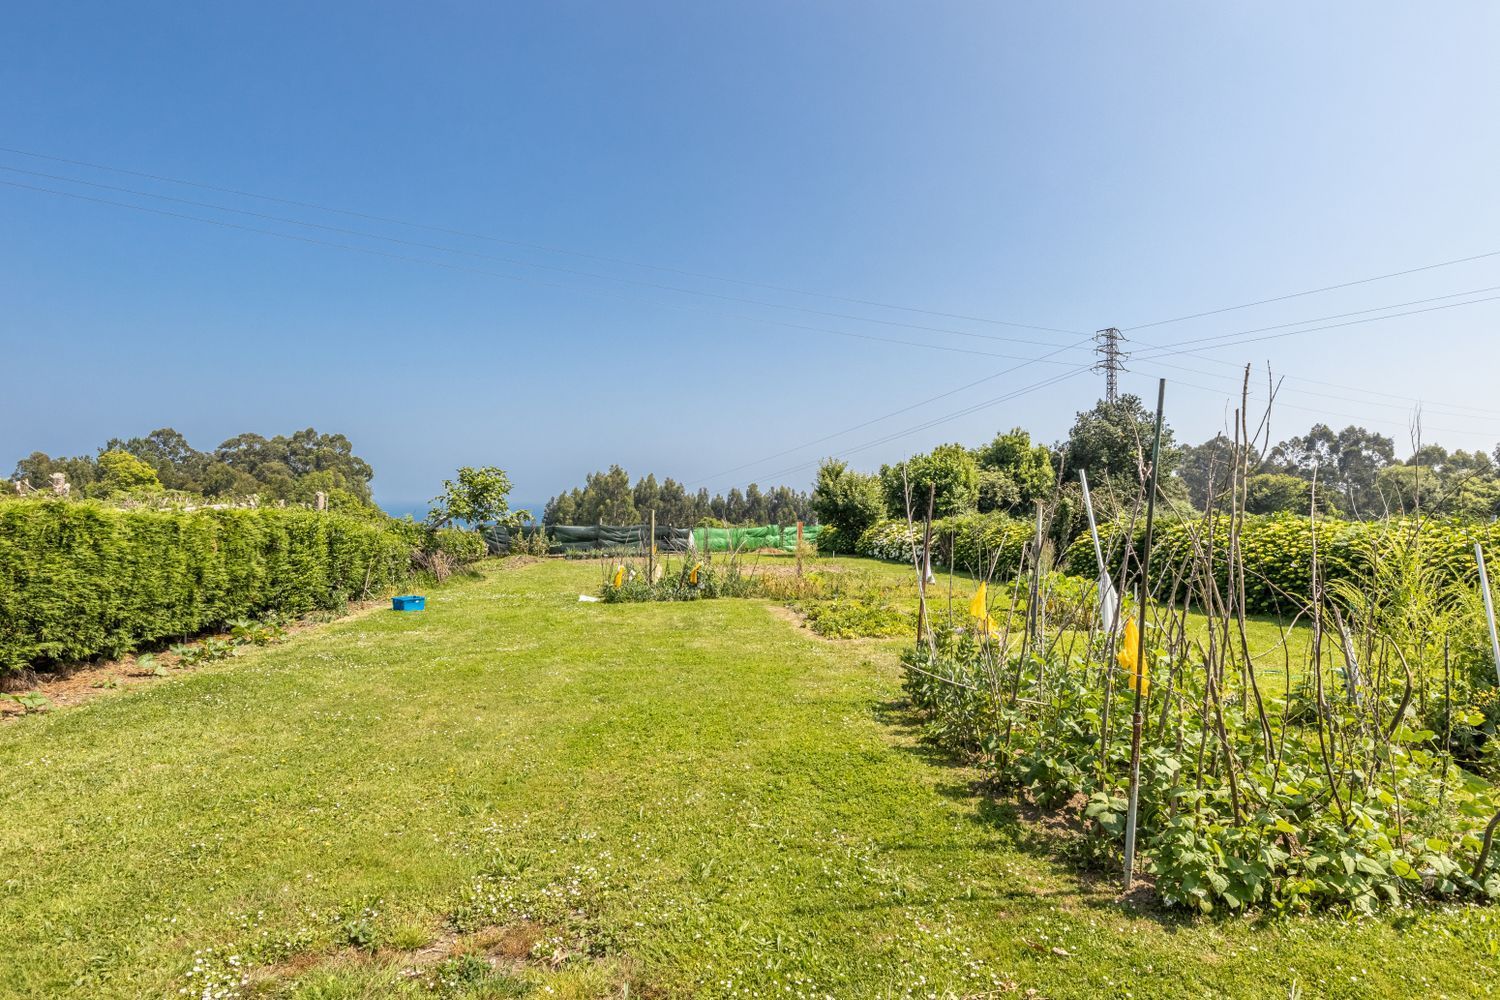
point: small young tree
(849, 501)
(477, 497)
(121, 473)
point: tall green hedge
(1277, 550)
(85, 579)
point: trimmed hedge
(1277, 549)
(83, 579)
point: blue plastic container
(408, 602)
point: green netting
(612, 538)
(771, 536)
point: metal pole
(1133, 806)
(1489, 607)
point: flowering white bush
(890, 540)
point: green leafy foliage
(121, 474)
(1340, 818)
(948, 474)
(30, 701)
(1277, 551)
(1025, 467)
(478, 497)
(849, 502)
(84, 579)
(690, 580)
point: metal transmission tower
(1111, 360)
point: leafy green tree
(121, 474)
(608, 499)
(997, 491)
(1273, 492)
(562, 509)
(755, 505)
(38, 467)
(1027, 465)
(479, 497)
(647, 494)
(277, 463)
(1210, 465)
(178, 464)
(1113, 442)
(674, 506)
(851, 502)
(949, 471)
(1347, 463)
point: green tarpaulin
(612, 538)
(771, 536)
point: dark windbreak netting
(566, 538)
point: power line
(1207, 341)
(1315, 291)
(1317, 411)
(1406, 402)
(519, 262)
(1007, 397)
(447, 265)
(532, 246)
(1165, 352)
(876, 420)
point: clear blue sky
(1063, 166)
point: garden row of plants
(85, 579)
(834, 604)
(1275, 549)
(1329, 774)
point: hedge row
(1277, 549)
(84, 579)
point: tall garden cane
(1142, 670)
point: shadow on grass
(1052, 835)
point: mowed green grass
(721, 803)
(1272, 642)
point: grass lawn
(608, 800)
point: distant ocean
(418, 511)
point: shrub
(1277, 551)
(978, 543)
(857, 618)
(85, 579)
(459, 546)
(692, 580)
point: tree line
(609, 497)
(291, 467)
(1353, 473)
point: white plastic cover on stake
(1109, 598)
(1489, 606)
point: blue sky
(1060, 166)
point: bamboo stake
(1142, 670)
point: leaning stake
(1489, 607)
(1142, 669)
